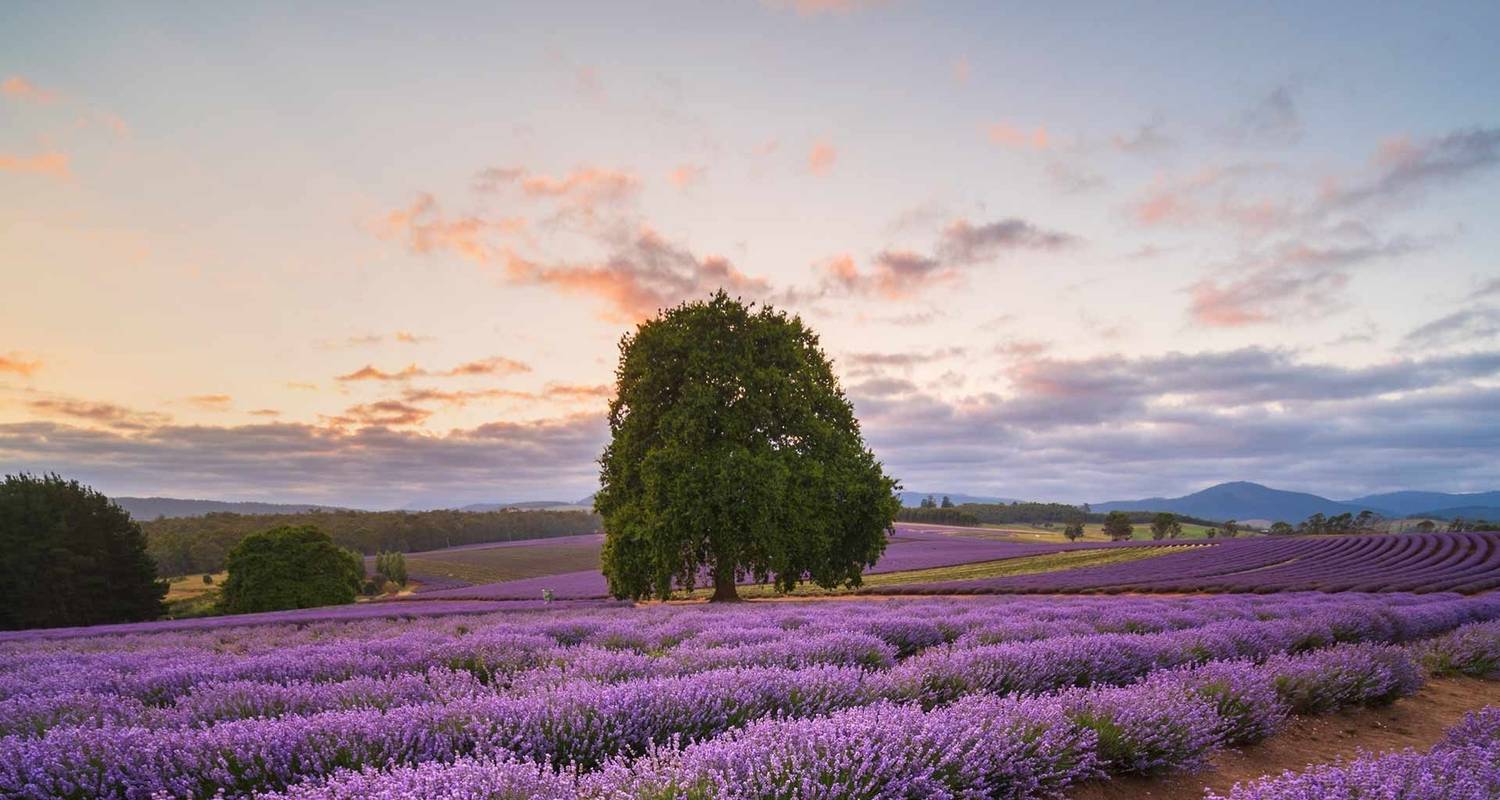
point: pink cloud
(51, 164)
(17, 364)
(1007, 135)
(426, 230)
(22, 89)
(685, 175)
(820, 159)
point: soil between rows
(1418, 721)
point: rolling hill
(1242, 500)
(145, 508)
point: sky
(383, 256)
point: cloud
(685, 175)
(369, 339)
(1114, 426)
(382, 413)
(52, 164)
(1148, 139)
(496, 366)
(586, 189)
(812, 8)
(264, 412)
(18, 364)
(211, 402)
(820, 159)
(1403, 166)
(642, 274)
(1250, 198)
(23, 89)
(901, 360)
(1487, 289)
(1295, 278)
(108, 415)
(1273, 119)
(1072, 178)
(893, 274)
(370, 467)
(426, 230)
(1009, 136)
(965, 243)
(1466, 326)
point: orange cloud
(16, 363)
(1007, 135)
(497, 365)
(107, 414)
(53, 164)
(425, 230)
(22, 89)
(820, 159)
(407, 337)
(894, 274)
(962, 70)
(211, 402)
(642, 275)
(382, 413)
(686, 175)
(265, 412)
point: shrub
(285, 568)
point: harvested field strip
(493, 565)
(1418, 722)
(1021, 565)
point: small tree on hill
(70, 556)
(947, 502)
(1165, 526)
(290, 567)
(929, 502)
(1073, 531)
(1231, 528)
(392, 566)
(1280, 528)
(1117, 526)
(1426, 526)
(734, 451)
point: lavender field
(979, 697)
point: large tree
(290, 567)
(1165, 526)
(734, 453)
(1117, 526)
(70, 556)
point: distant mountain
(914, 499)
(1241, 500)
(1491, 513)
(526, 505)
(144, 508)
(1405, 503)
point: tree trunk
(724, 588)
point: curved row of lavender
(1436, 562)
(1464, 766)
(192, 713)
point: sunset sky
(383, 256)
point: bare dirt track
(1417, 722)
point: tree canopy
(70, 556)
(1117, 526)
(734, 452)
(1165, 526)
(290, 567)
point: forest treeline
(1022, 513)
(187, 545)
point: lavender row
(588, 724)
(1439, 562)
(933, 676)
(982, 746)
(1464, 766)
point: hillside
(1408, 503)
(146, 508)
(1241, 500)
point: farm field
(1438, 562)
(1094, 532)
(999, 697)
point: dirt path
(1418, 722)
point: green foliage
(290, 567)
(1165, 526)
(1117, 526)
(947, 502)
(1231, 529)
(187, 545)
(392, 566)
(69, 556)
(733, 448)
(938, 516)
(1073, 531)
(1281, 529)
(208, 580)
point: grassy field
(495, 564)
(1092, 532)
(191, 597)
(1025, 565)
